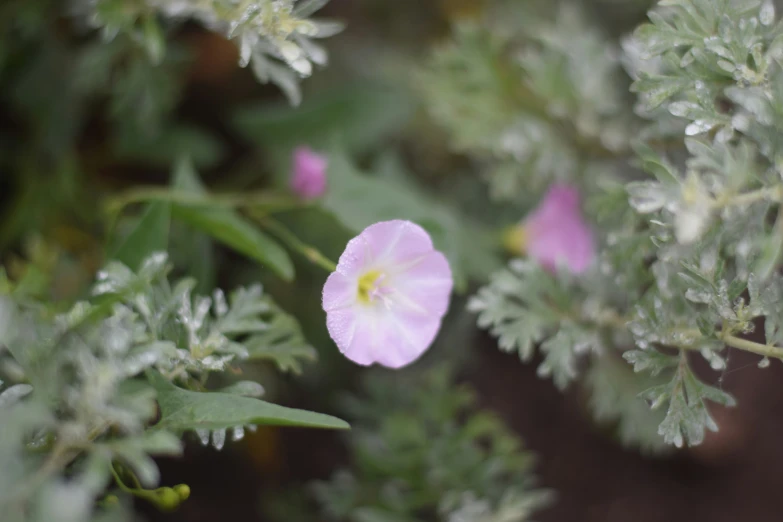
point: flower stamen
(371, 289)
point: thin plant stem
(740, 200)
(270, 201)
(765, 350)
(309, 252)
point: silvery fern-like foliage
(690, 256)
(204, 331)
(732, 66)
(524, 306)
(274, 37)
(530, 98)
(717, 251)
(426, 448)
(100, 388)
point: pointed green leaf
(171, 142)
(151, 234)
(281, 342)
(244, 389)
(361, 116)
(184, 410)
(227, 226)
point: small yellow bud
(183, 490)
(515, 239)
(167, 499)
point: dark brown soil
(733, 476)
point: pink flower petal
(558, 234)
(388, 243)
(355, 258)
(395, 321)
(397, 241)
(308, 176)
(339, 292)
(393, 340)
(428, 283)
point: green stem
(273, 202)
(165, 498)
(134, 490)
(151, 496)
(610, 318)
(753, 347)
(765, 350)
(739, 200)
(289, 238)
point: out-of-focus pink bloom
(556, 233)
(308, 175)
(385, 301)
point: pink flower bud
(556, 232)
(308, 175)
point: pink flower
(308, 175)
(385, 301)
(556, 233)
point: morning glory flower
(555, 233)
(385, 301)
(308, 175)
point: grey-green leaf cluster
(94, 391)
(687, 213)
(274, 37)
(426, 448)
(530, 96)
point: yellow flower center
(368, 286)
(515, 239)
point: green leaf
(429, 425)
(8, 320)
(655, 90)
(194, 253)
(560, 357)
(360, 116)
(651, 360)
(151, 234)
(244, 389)
(186, 410)
(657, 165)
(510, 307)
(154, 39)
(13, 394)
(227, 226)
(172, 142)
(614, 398)
(282, 342)
(687, 417)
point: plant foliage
(98, 389)
(688, 214)
(425, 451)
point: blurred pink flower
(308, 174)
(556, 232)
(385, 301)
